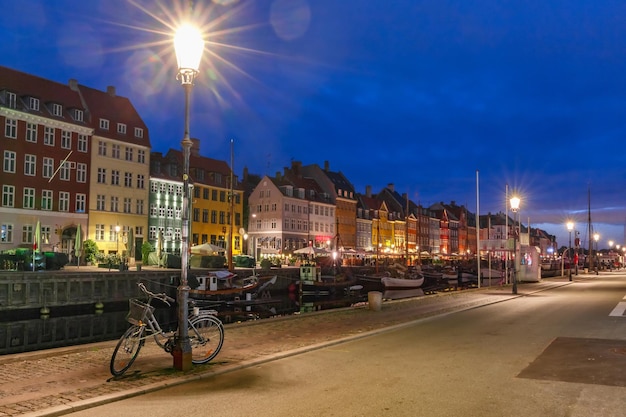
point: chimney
(111, 90)
(73, 83)
(326, 166)
(391, 187)
(405, 196)
(245, 174)
(296, 167)
(195, 147)
(278, 175)
(368, 190)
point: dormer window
(138, 132)
(33, 103)
(79, 115)
(104, 124)
(11, 100)
(57, 110)
(121, 128)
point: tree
(90, 248)
(146, 248)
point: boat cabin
(310, 273)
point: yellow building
(119, 173)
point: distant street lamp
(596, 237)
(189, 45)
(570, 227)
(515, 201)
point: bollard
(375, 300)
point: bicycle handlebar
(161, 296)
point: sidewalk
(59, 381)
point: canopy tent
(310, 250)
(206, 249)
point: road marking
(619, 309)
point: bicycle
(205, 330)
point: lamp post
(596, 237)
(189, 45)
(570, 227)
(515, 208)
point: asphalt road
(560, 352)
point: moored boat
(215, 285)
(390, 283)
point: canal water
(30, 330)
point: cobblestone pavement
(59, 381)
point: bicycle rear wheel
(127, 350)
(206, 336)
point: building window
(222, 217)
(205, 216)
(33, 103)
(8, 195)
(102, 175)
(222, 196)
(9, 161)
(104, 124)
(115, 177)
(11, 100)
(114, 203)
(10, 128)
(30, 165)
(102, 148)
(64, 201)
(46, 199)
(121, 128)
(66, 139)
(99, 232)
(214, 216)
(127, 204)
(81, 172)
(141, 156)
(140, 181)
(81, 203)
(129, 153)
(31, 132)
(196, 215)
(78, 115)
(82, 143)
(128, 179)
(6, 233)
(64, 172)
(48, 136)
(140, 206)
(57, 110)
(138, 132)
(100, 202)
(214, 195)
(116, 151)
(28, 200)
(27, 233)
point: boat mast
(590, 227)
(231, 200)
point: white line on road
(619, 309)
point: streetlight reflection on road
(189, 46)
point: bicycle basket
(138, 310)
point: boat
(223, 284)
(312, 282)
(390, 283)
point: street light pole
(570, 227)
(189, 45)
(515, 208)
(596, 237)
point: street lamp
(570, 227)
(189, 45)
(596, 237)
(515, 208)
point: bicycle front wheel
(127, 350)
(206, 336)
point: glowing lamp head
(570, 226)
(515, 203)
(189, 45)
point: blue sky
(418, 93)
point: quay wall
(28, 290)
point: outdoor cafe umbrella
(78, 244)
(130, 244)
(37, 241)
